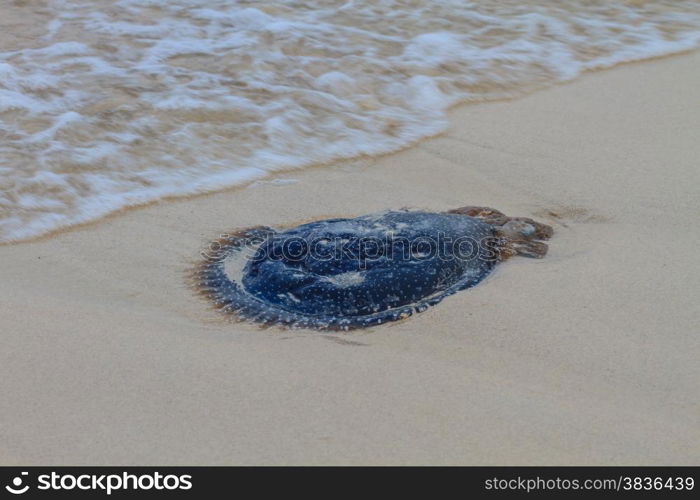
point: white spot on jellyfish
(343, 280)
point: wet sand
(589, 356)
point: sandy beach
(589, 356)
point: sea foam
(119, 103)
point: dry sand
(589, 356)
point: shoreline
(583, 358)
(272, 175)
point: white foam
(129, 101)
(49, 133)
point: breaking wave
(108, 104)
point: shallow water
(107, 104)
